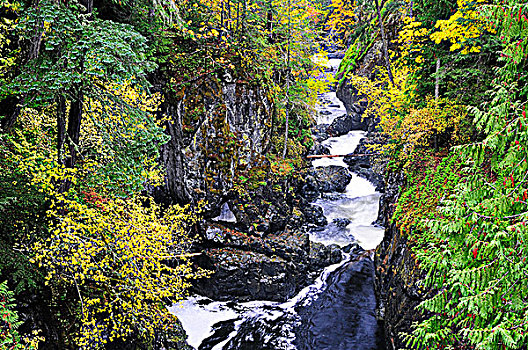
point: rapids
(337, 311)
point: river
(337, 311)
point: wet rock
(363, 165)
(296, 220)
(333, 196)
(313, 214)
(319, 132)
(341, 222)
(398, 281)
(344, 124)
(393, 182)
(262, 213)
(335, 254)
(309, 188)
(270, 268)
(352, 248)
(215, 234)
(338, 54)
(291, 246)
(322, 256)
(318, 149)
(333, 178)
(221, 331)
(245, 275)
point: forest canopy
(107, 106)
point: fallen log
(340, 155)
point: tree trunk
(222, 16)
(269, 20)
(13, 104)
(61, 126)
(11, 109)
(287, 124)
(437, 79)
(385, 44)
(74, 129)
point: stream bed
(337, 311)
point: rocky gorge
(261, 277)
(273, 284)
(232, 175)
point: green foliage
(353, 56)
(77, 80)
(466, 218)
(22, 218)
(120, 140)
(10, 338)
(443, 26)
(76, 50)
(430, 178)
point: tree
(385, 44)
(472, 243)
(10, 338)
(126, 263)
(75, 56)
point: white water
(359, 204)
(225, 215)
(198, 319)
(360, 201)
(198, 314)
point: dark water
(343, 317)
(340, 315)
(337, 312)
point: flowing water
(337, 311)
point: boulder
(313, 214)
(341, 222)
(321, 255)
(319, 132)
(363, 165)
(332, 178)
(318, 149)
(245, 275)
(352, 121)
(274, 267)
(309, 188)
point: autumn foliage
(463, 207)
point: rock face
(332, 178)
(271, 268)
(213, 140)
(364, 165)
(353, 120)
(314, 215)
(397, 276)
(366, 64)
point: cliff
(398, 277)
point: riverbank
(297, 319)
